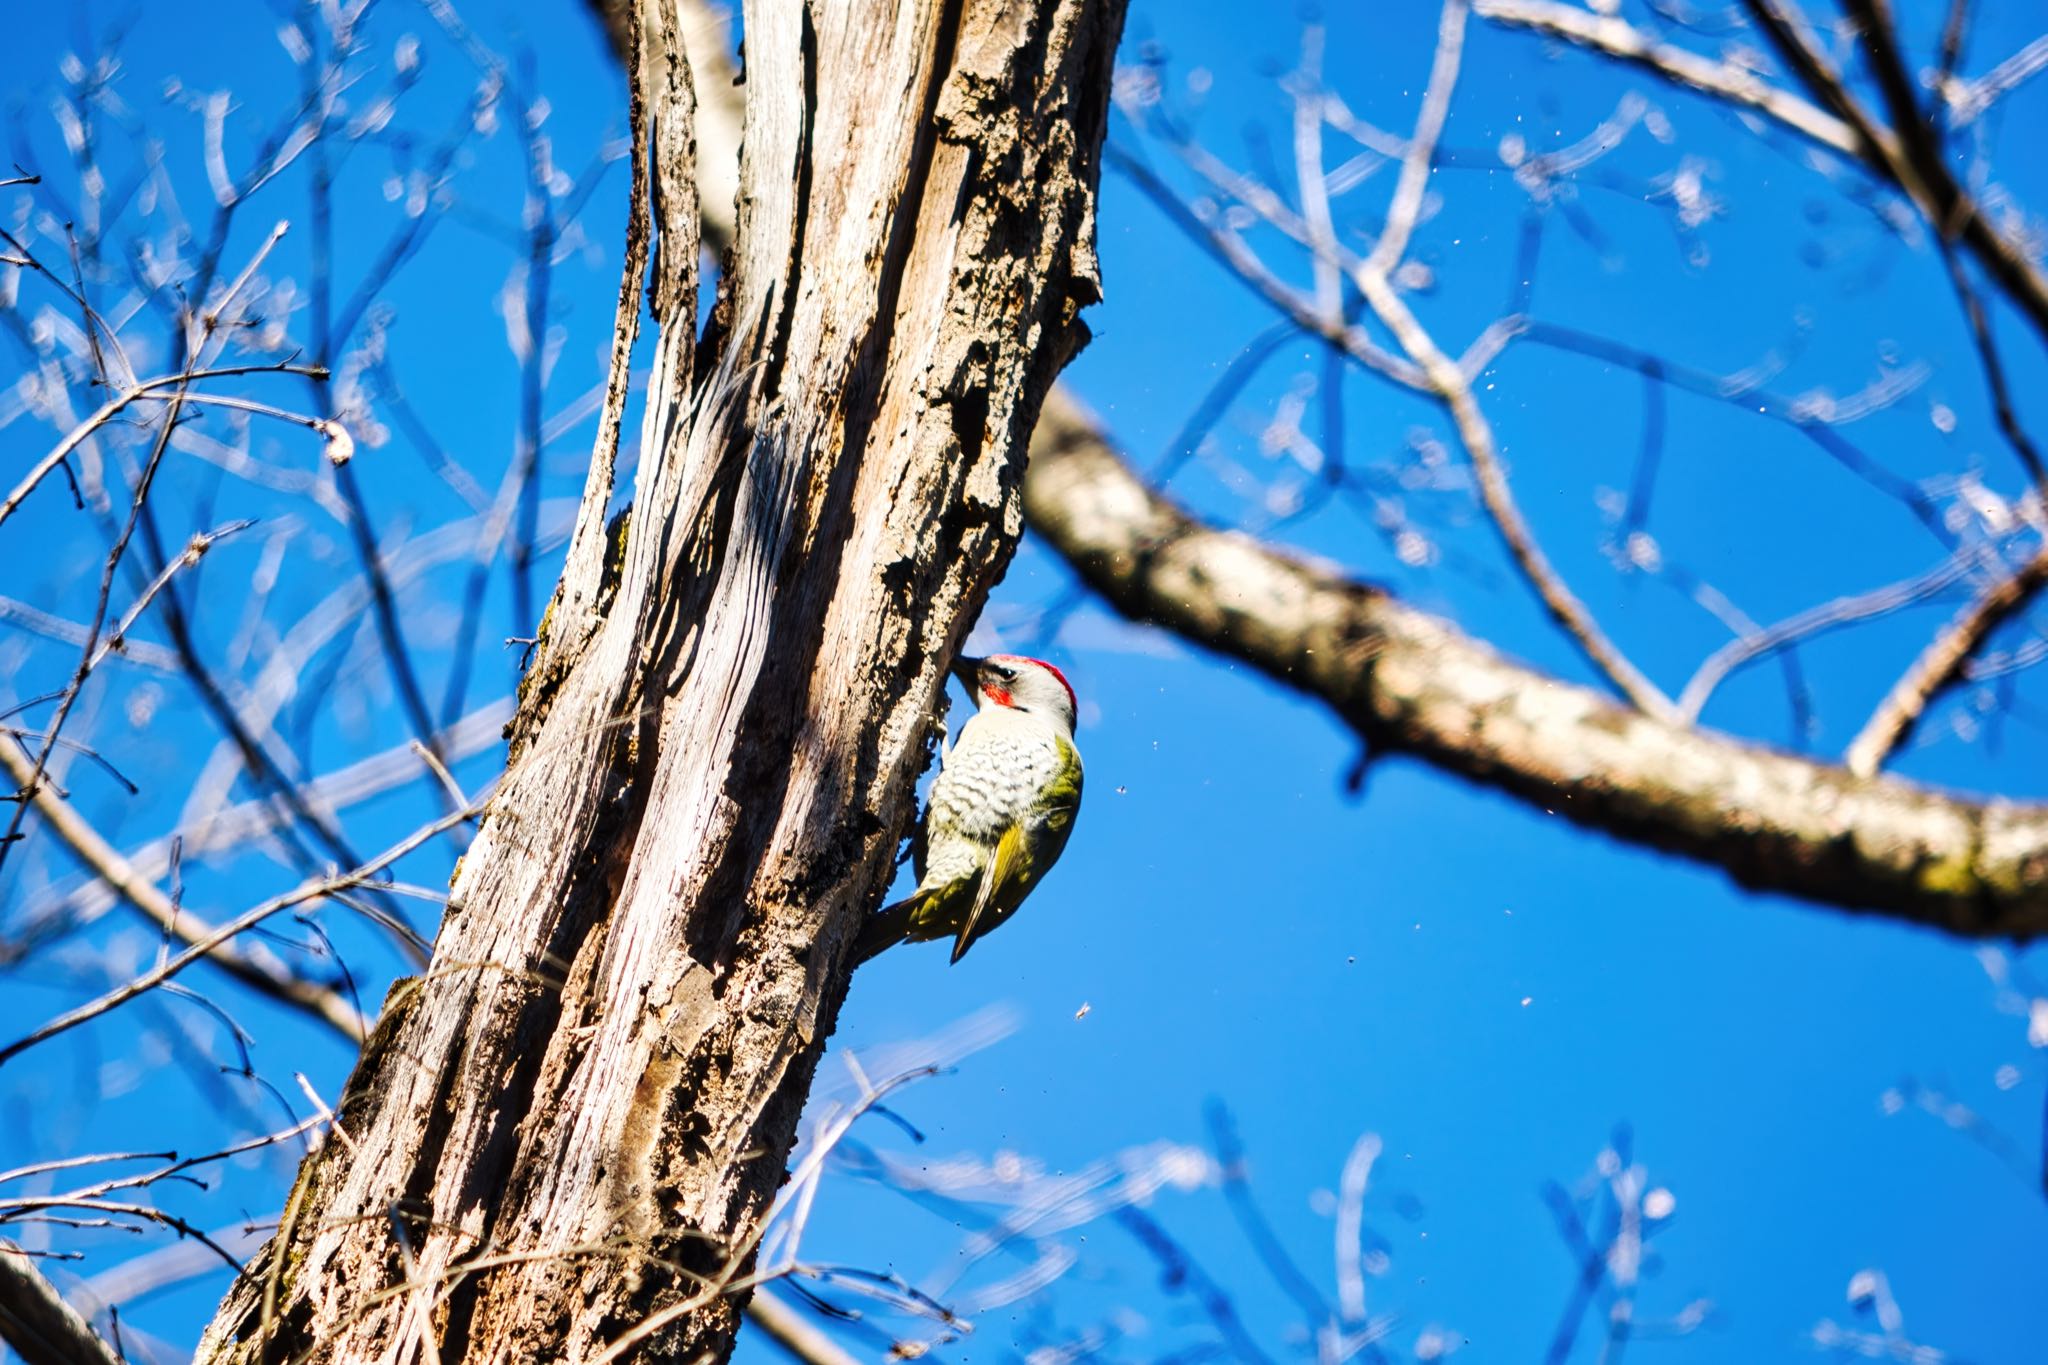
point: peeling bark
(577, 1118)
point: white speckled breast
(991, 781)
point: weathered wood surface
(1411, 682)
(578, 1117)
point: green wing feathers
(999, 876)
(1061, 801)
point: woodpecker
(1001, 808)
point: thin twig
(1941, 665)
(797, 1193)
(249, 821)
(1425, 367)
(144, 481)
(1178, 1269)
(141, 653)
(1613, 36)
(68, 1163)
(1476, 435)
(1839, 611)
(440, 772)
(1955, 31)
(204, 944)
(176, 1263)
(1420, 160)
(785, 1327)
(2002, 408)
(195, 550)
(1905, 153)
(106, 862)
(322, 91)
(1310, 179)
(146, 1213)
(1243, 263)
(174, 1167)
(113, 408)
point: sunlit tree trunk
(1408, 682)
(563, 1138)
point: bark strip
(575, 1121)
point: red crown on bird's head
(1025, 660)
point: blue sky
(1488, 988)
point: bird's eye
(1005, 672)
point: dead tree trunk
(569, 1130)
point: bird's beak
(968, 670)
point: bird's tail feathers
(887, 927)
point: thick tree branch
(1412, 683)
(37, 1324)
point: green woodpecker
(1001, 808)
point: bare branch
(1413, 683)
(113, 408)
(1613, 36)
(36, 1322)
(1476, 434)
(195, 550)
(1825, 616)
(252, 820)
(169, 1265)
(141, 653)
(252, 967)
(786, 1327)
(1234, 254)
(1968, 100)
(785, 1216)
(174, 1166)
(144, 481)
(1425, 367)
(1906, 153)
(1903, 154)
(2002, 408)
(207, 943)
(1311, 180)
(1941, 665)
(1420, 160)
(441, 774)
